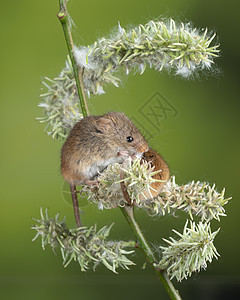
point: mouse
(95, 142)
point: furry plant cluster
(190, 253)
(60, 103)
(158, 44)
(195, 198)
(88, 246)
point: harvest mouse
(96, 142)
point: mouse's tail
(75, 204)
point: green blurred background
(201, 142)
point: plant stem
(143, 245)
(75, 204)
(64, 19)
(127, 210)
(80, 76)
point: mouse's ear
(104, 124)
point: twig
(127, 210)
(75, 204)
(124, 189)
(143, 245)
(80, 76)
(64, 19)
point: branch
(143, 245)
(124, 189)
(64, 19)
(127, 211)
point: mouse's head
(122, 133)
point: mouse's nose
(142, 147)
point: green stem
(78, 75)
(127, 211)
(64, 19)
(143, 245)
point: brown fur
(96, 141)
(157, 161)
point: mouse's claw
(91, 182)
(123, 153)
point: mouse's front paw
(124, 153)
(92, 182)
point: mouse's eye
(129, 139)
